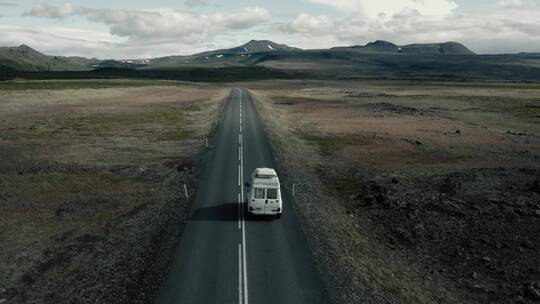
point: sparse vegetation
(430, 189)
(90, 179)
(329, 144)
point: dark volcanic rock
(535, 187)
(449, 186)
(532, 291)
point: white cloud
(164, 25)
(196, 2)
(59, 40)
(133, 33)
(373, 9)
(510, 31)
(510, 3)
(306, 23)
(340, 4)
(150, 33)
(47, 11)
(69, 41)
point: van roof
(265, 171)
(265, 177)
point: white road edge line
(240, 290)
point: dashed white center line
(239, 212)
(243, 284)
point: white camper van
(264, 195)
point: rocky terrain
(414, 192)
(91, 185)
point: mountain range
(27, 59)
(378, 59)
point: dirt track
(414, 192)
(91, 199)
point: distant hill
(447, 48)
(240, 55)
(380, 46)
(81, 61)
(25, 58)
(252, 47)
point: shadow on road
(222, 213)
(226, 212)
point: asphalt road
(225, 256)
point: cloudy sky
(141, 29)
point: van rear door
(258, 200)
(272, 205)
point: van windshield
(271, 193)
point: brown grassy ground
(91, 196)
(414, 192)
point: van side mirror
(247, 184)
